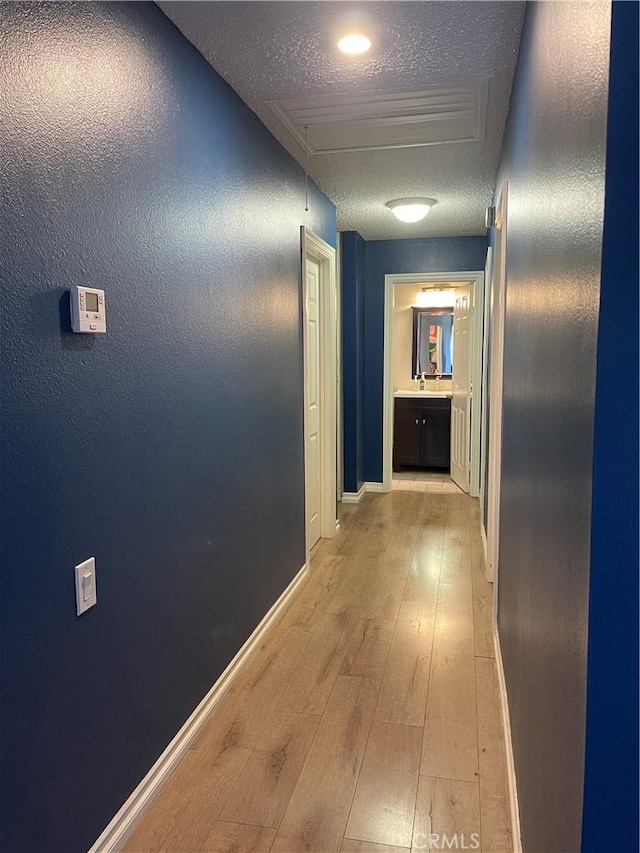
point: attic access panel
(361, 122)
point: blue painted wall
(384, 257)
(353, 261)
(128, 164)
(611, 810)
(553, 158)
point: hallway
(369, 719)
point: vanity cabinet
(422, 432)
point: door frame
(496, 392)
(390, 281)
(325, 256)
(484, 438)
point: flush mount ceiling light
(411, 209)
(354, 43)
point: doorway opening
(432, 366)
(320, 387)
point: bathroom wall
(405, 297)
(128, 164)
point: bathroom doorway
(431, 424)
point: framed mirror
(432, 342)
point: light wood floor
(369, 718)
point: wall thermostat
(87, 310)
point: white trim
(125, 819)
(477, 393)
(484, 395)
(511, 767)
(354, 497)
(390, 281)
(483, 536)
(325, 255)
(496, 397)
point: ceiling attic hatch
(361, 122)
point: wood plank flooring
(368, 721)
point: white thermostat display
(87, 310)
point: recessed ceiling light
(411, 209)
(354, 43)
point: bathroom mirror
(432, 342)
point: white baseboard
(356, 497)
(511, 768)
(122, 824)
(485, 547)
(353, 497)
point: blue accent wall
(353, 261)
(553, 158)
(611, 810)
(170, 448)
(385, 257)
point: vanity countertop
(413, 393)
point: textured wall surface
(554, 162)
(405, 297)
(384, 257)
(128, 164)
(353, 259)
(610, 819)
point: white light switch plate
(85, 585)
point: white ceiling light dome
(411, 209)
(354, 43)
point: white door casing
(319, 334)
(461, 385)
(484, 389)
(312, 381)
(498, 298)
(477, 385)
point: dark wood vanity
(422, 432)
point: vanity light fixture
(354, 43)
(411, 209)
(433, 298)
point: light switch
(85, 585)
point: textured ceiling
(274, 50)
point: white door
(312, 384)
(461, 402)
